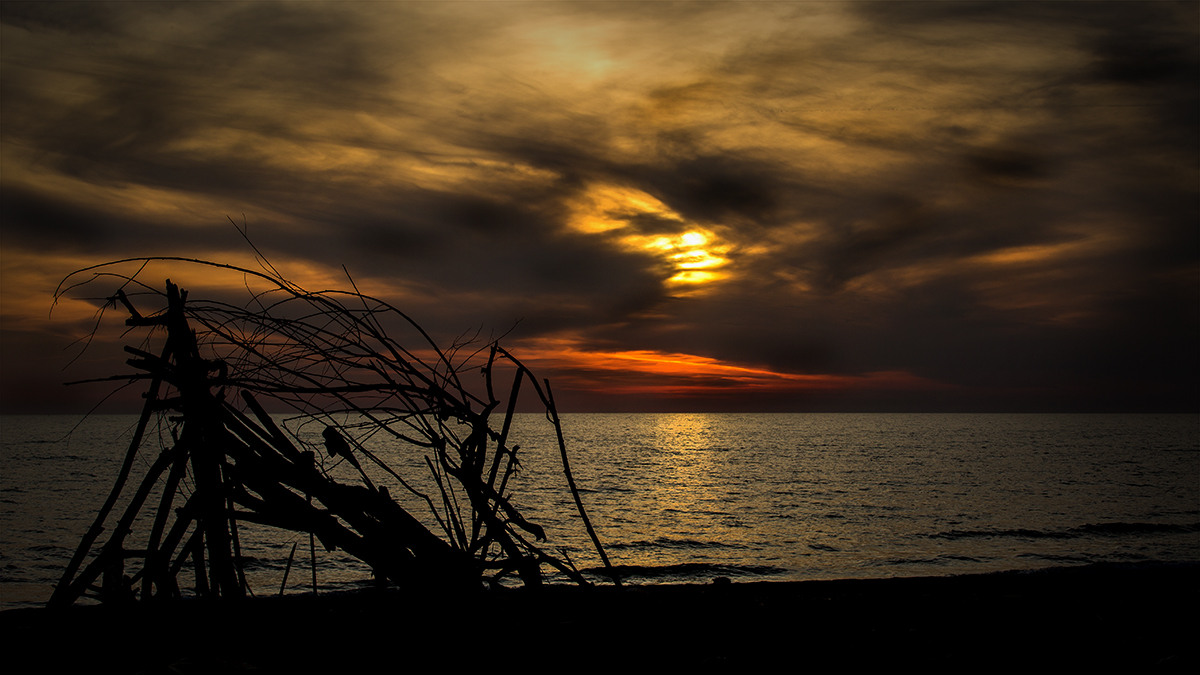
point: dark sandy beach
(1131, 618)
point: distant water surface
(686, 497)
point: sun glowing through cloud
(694, 254)
(989, 195)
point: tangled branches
(329, 356)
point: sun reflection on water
(689, 478)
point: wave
(684, 572)
(939, 561)
(664, 542)
(1105, 529)
(1139, 528)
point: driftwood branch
(329, 358)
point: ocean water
(687, 497)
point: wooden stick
(552, 411)
(63, 594)
(155, 561)
(288, 570)
(312, 553)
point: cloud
(999, 197)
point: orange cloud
(649, 372)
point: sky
(717, 206)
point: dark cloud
(240, 74)
(718, 188)
(75, 18)
(50, 225)
(43, 224)
(1004, 165)
(1137, 58)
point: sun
(694, 254)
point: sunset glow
(676, 374)
(603, 208)
(693, 253)
(935, 205)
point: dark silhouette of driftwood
(325, 355)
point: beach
(920, 550)
(683, 498)
(847, 336)
(1133, 617)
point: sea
(686, 498)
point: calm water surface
(686, 497)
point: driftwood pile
(327, 357)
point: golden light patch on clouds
(385, 149)
(1038, 283)
(610, 207)
(320, 155)
(1037, 297)
(1039, 260)
(176, 207)
(31, 277)
(1031, 280)
(794, 280)
(629, 46)
(1023, 254)
(579, 50)
(543, 62)
(86, 318)
(1090, 243)
(891, 281)
(172, 211)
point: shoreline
(1143, 617)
